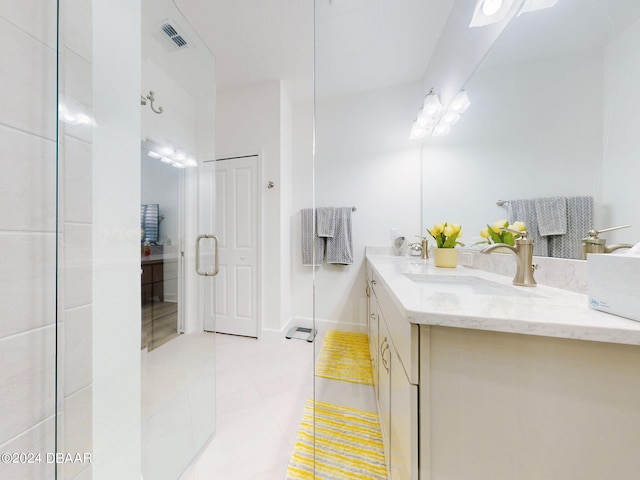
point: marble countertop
(540, 310)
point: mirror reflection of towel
(525, 211)
(551, 213)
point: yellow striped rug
(348, 445)
(345, 356)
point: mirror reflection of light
(460, 102)
(491, 7)
(441, 130)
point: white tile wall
(77, 181)
(27, 182)
(77, 265)
(28, 240)
(39, 438)
(75, 22)
(28, 70)
(28, 373)
(27, 282)
(77, 349)
(77, 435)
(35, 18)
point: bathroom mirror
(553, 113)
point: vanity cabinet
(397, 397)
(499, 405)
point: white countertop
(544, 311)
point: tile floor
(262, 387)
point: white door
(236, 225)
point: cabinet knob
(373, 282)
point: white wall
(363, 159)
(526, 134)
(621, 165)
(255, 120)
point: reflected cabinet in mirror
(554, 113)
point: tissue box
(614, 284)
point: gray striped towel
(551, 213)
(525, 211)
(579, 222)
(312, 245)
(340, 246)
(326, 221)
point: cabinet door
(403, 423)
(384, 384)
(372, 323)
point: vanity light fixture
(417, 131)
(460, 103)
(441, 130)
(432, 105)
(488, 12)
(438, 125)
(450, 118)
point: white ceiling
(360, 44)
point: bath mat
(348, 445)
(345, 356)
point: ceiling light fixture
(488, 12)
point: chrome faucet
(594, 244)
(423, 246)
(523, 251)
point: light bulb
(491, 7)
(432, 105)
(450, 118)
(417, 132)
(460, 103)
(441, 130)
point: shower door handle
(215, 251)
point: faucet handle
(593, 234)
(523, 234)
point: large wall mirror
(553, 113)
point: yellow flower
(519, 226)
(437, 229)
(497, 225)
(484, 233)
(450, 229)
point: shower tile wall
(28, 241)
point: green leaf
(451, 241)
(494, 236)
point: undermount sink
(468, 285)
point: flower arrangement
(446, 234)
(494, 233)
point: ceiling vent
(173, 38)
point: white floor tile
(262, 388)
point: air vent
(174, 35)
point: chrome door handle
(215, 265)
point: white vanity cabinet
(491, 400)
(397, 397)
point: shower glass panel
(28, 240)
(177, 356)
